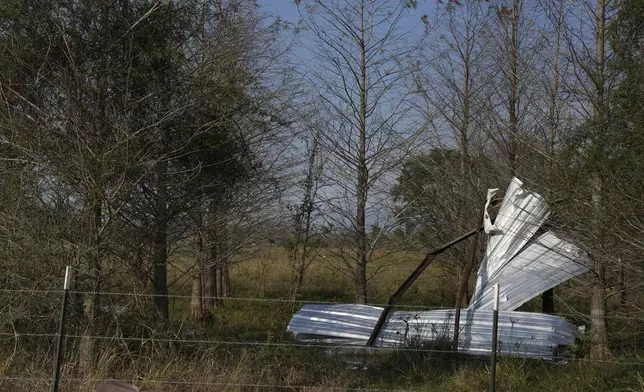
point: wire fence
(252, 353)
(208, 384)
(287, 345)
(632, 316)
(206, 297)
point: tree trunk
(513, 118)
(363, 175)
(210, 288)
(160, 272)
(466, 107)
(623, 292)
(225, 291)
(460, 273)
(548, 297)
(140, 270)
(92, 301)
(361, 283)
(224, 278)
(461, 265)
(297, 286)
(159, 253)
(96, 267)
(599, 339)
(196, 305)
(213, 279)
(599, 336)
(219, 284)
(548, 302)
(304, 260)
(210, 282)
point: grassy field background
(243, 346)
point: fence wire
(204, 383)
(73, 340)
(634, 316)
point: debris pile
(521, 256)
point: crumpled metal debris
(522, 258)
(523, 263)
(521, 334)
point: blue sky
(284, 8)
(287, 10)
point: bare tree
(452, 85)
(553, 72)
(300, 244)
(592, 89)
(361, 55)
(515, 46)
(244, 60)
(599, 347)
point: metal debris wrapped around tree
(523, 258)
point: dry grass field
(243, 346)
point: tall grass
(179, 356)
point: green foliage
(435, 201)
(120, 117)
(627, 35)
(94, 95)
(173, 351)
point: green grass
(201, 366)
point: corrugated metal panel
(524, 267)
(520, 333)
(543, 264)
(520, 216)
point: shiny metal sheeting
(524, 267)
(519, 217)
(543, 264)
(521, 334)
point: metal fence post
(61, 331)
(495, 328)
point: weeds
(176, 364)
